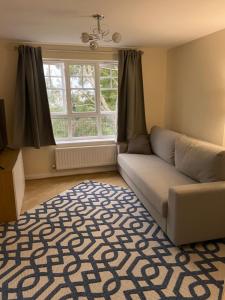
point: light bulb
(116, 37)
(85, 37)
(93, 45)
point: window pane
(60, 128)
(108, 125)
(88, 70)
(82, 127)
(83, 100)
(76, 82)
(115, 82)
(108, 100)
(56, 101)
(75, 70)
(46, 69)
(56, 82)
(88, 82)
(56, 70)
(54, 78)
(104, 71)
(115, 71)
(105, 83)
(48, 82)
(109, 70)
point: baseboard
(71, 172)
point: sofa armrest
(196, 212)
(122, 147)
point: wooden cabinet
(12, 184)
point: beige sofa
(182, 184)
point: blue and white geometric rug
(97, 241)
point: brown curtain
(32, 126)
(131, 111)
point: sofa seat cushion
(153, 177)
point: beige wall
(39, 162)
(8, 57)
(195, 102)
(154, 76)
(184, 90)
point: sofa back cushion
(163, 143)
(203, 162)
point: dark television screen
(3, 132)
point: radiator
(84, 157)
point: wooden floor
(40, 190)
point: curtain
(32, 121)
(131, 111)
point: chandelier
(99, 33)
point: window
(82, 98)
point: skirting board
(71, 172)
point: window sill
(86, 142)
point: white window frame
(71, 115)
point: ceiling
(141, 22)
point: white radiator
(84, 157)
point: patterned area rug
(97, 241)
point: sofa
(181, 183)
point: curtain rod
(91, 51)
(82, 50)
(77, 50)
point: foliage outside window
(82, 98)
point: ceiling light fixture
(99, 33)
